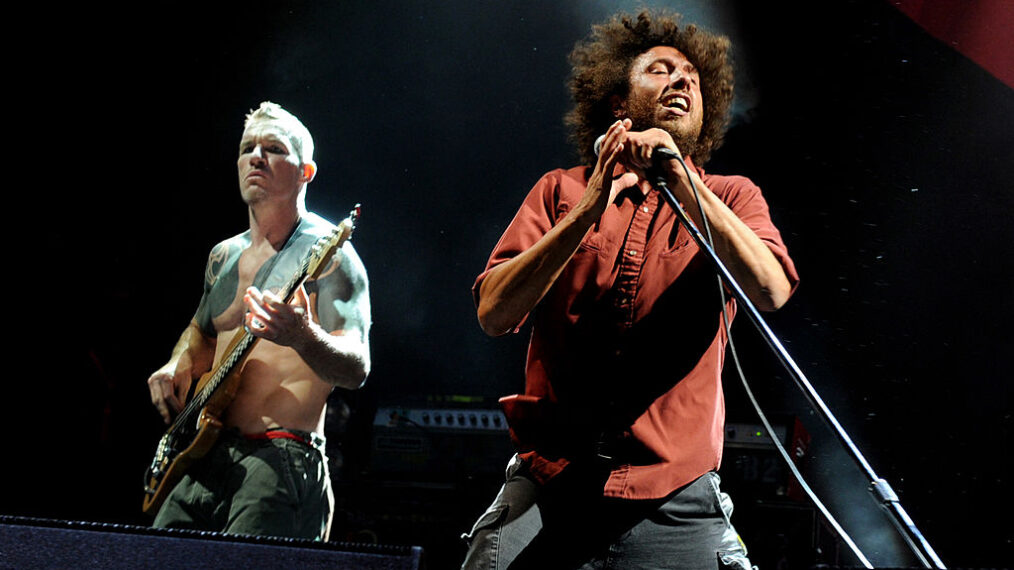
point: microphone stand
(880, 488)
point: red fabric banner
(981, 30)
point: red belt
(279, 434)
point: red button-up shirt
(627, 347)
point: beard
(685, 133)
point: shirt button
(632, 252)
(644, 209)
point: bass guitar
(196, 428)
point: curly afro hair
(601, 69)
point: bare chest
(247, 268)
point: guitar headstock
(326, 246)
(353, 218)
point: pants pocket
(732, 552)
(490, 520)
(292, 469)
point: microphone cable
(669, 154)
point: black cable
(668, 154)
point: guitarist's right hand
(169, 386)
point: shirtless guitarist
(267, 474)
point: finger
(637, 153)
(603, 174)
(269, 300)
(300, 302)
(666, 140)
(274, 307)
(281, 314)
(617, 134)
(160, 405)
(256, 325)
(266, 302)
(163, 411)
(158, 396)
(180, 395)
(645, 151)
(174, 403)
(649, 153)
(254, 293)
(152, 383)
(622, 183)
(611, 161)
(255, 304)
(166, 388)
(155, 386)
(253, 301)
(604, 168)
(615, 128)
(613, 135)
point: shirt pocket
(679, 245)
(594, 242)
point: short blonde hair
(302, 142)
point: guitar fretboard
(191, 412)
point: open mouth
(677, 102)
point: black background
(885, 156)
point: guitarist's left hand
(270, 318)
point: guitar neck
(240, 346)
(243, 342)
(196, 427)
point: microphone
(664, 153)
(655, 174)
(659, 154)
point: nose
(257, 155)
(677, 79)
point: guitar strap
(267, 277)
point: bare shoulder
(223, 254)
(345, 276)
(352, 267)
(342, 289)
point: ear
(618, 106)
(309, 171)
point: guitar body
(175, 464)
(207, 435)
(187, 439)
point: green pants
(264, 487)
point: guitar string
(199, 400)
(202, 396)
(166, 452)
